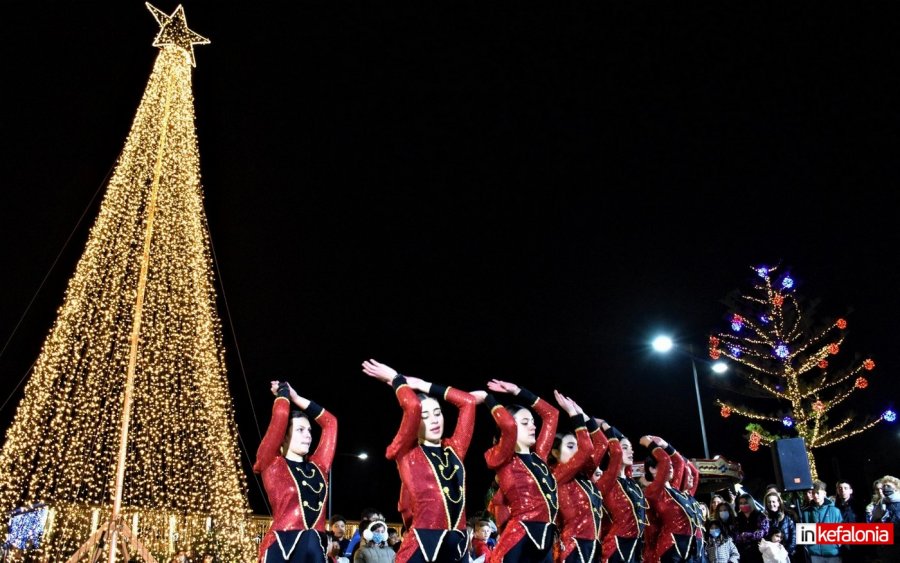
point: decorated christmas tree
(794, 361)
(126, 426)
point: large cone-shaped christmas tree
(139, 322)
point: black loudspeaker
(791, 464)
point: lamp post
(360, 456)
(665, 344)
(700, 408)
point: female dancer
(689, 485)
(497, 507)
(676, 512)
(296, 483)
(574, 458)
(432, 475)
(526, 483)
(623, 501)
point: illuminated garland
(183, 476)
(791, 365)
(26, 527)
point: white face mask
(724, 516)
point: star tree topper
(173, 30)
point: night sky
(479, 190)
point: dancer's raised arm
(431, 469)
(298, 514)
(528, 486)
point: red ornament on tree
(754, 441)
(789, 357)
(713, 342)
(869, 364)
(715, 353)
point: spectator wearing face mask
(725, 518)
(887, 509)
(742, 491)
(367, 516)
(374, 547)
(719, 546)
(751, 525)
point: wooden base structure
(111, 532)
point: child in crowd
(480, 546)
(772, 550)
(719, 547)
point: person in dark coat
(751, 525)
(782, 520)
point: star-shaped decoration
(173, 30)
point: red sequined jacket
(526, 482)
(433, 478)
(623, 500)
(580, 502)
(298, 497)
(675, 510)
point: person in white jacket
(772, 550)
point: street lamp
(664, 344)
(360, 456)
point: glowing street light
(664, 344)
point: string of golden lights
(183, 476)
(790, 362)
